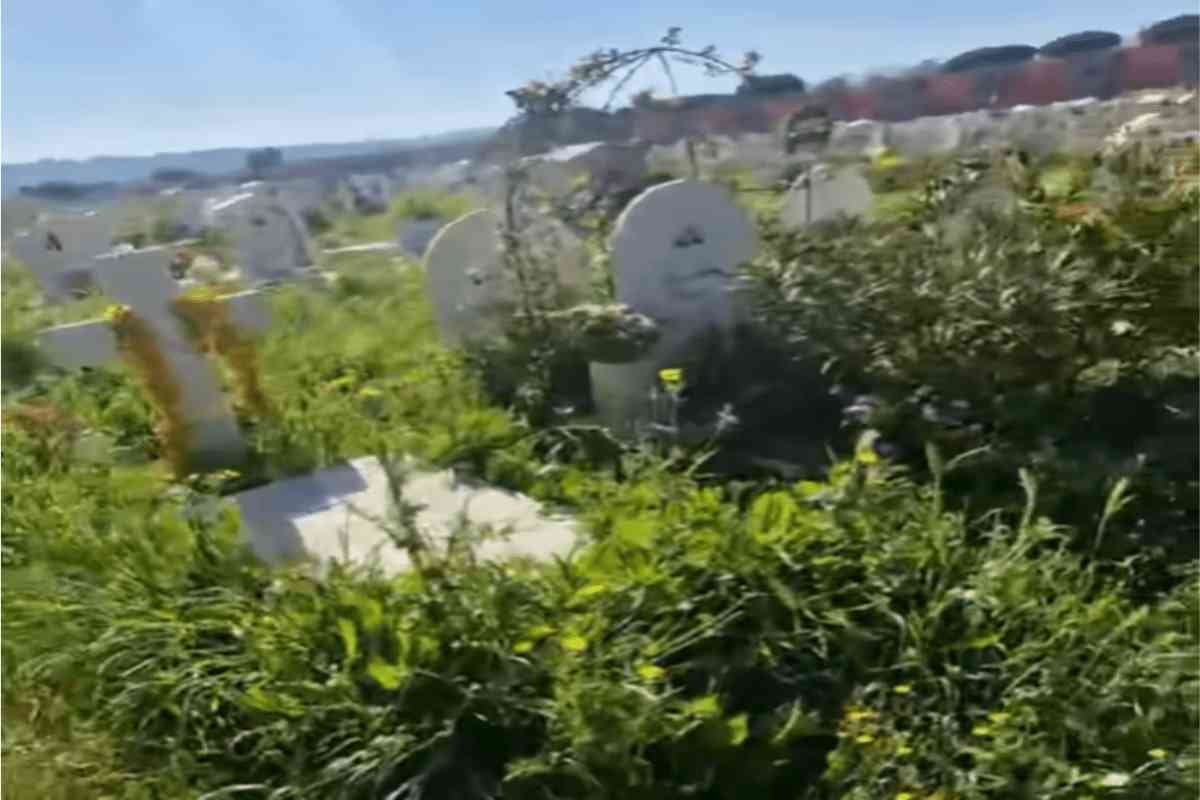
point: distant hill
(102, 169)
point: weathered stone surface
(335, 515)
(473, 293)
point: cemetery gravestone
(823, 193)
(372, 193)
(139, 279)
(468, 283)
(675, 255)
(271, 239)
(860, 137)
(59, 251)
(924, 137)
(335, 514)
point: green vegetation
(998, 606)
(425, 204)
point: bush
(1067, 347)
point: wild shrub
(1065, 345)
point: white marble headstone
(675, 256)
(824, 193)
(140, 279)
(339, 514)
(472, 291)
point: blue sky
(135, 77)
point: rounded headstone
(675, 255)
(824, 193)
(470, 288)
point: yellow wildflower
(672, 379)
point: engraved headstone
(675, 255)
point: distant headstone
(272, 241)
(470, 287)
(823, 193)
(675, 255)
(859, 137)
(1040, 131)
(141, 281)
(927, 136)
(339, 515)
(372, 192)
(60, 249)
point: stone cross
(471, 291)
(675, 255)
(139, 279)
(823, 193)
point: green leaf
(389, 676)
(739, 729)
(574, 644)
(349, 636)
(704, 707)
